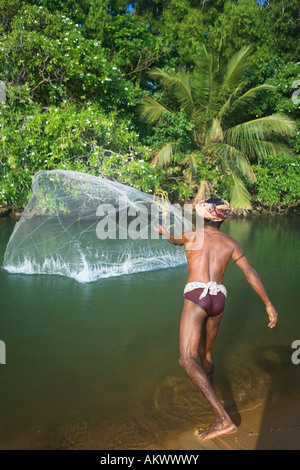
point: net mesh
(88, 228)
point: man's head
(214, 211)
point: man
(204, 302)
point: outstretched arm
(170, 237)
(254, 280)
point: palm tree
(213, 98)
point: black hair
(215, 200)
(212, 223)
(218, 201)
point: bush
(278, 181)
(66, 137)
(47, 53)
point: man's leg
(206, 343)
(192, 322)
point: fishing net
(87, 228)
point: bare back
(209, 262)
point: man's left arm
(255, 282)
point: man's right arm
(175, 240)
(254, 280)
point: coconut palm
(214, 99)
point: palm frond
(260, 129)
(236, 67)
(260, 149)
(151, 111)
(204, 84)
(191, 164)
(229, 101)
(164, 156)
(178, 83)
(203, 192)
(215, 132)
(235, 109)
(239, 196)
(233, 159)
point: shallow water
(95, 365)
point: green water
(94, 366)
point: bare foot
(218, 428)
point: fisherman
(204, 301)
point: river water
(94, 366)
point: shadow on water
(277, 428)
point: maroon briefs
(212, 304)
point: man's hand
(273, 315)
(159, 229)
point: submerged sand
(271, 424)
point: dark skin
(208, 252)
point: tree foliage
(75, 72)
(213, 98)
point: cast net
(88, 227)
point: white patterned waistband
(212, 287)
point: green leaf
(260, 129)
(234, 159)
(236, 67)
(151, 111)
(178, 83)
(239, 196)
(164, 156)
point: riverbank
(270, 424)
(12, 212)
